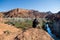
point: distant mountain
(24, 13)
(49, 12)
(53, 16)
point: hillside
(8, 32)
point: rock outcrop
(35, 34)
(1, 15)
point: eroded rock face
(8, 32)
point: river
(49, 32)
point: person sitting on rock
(35, 23)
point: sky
(40, 5)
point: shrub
(7, 32)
